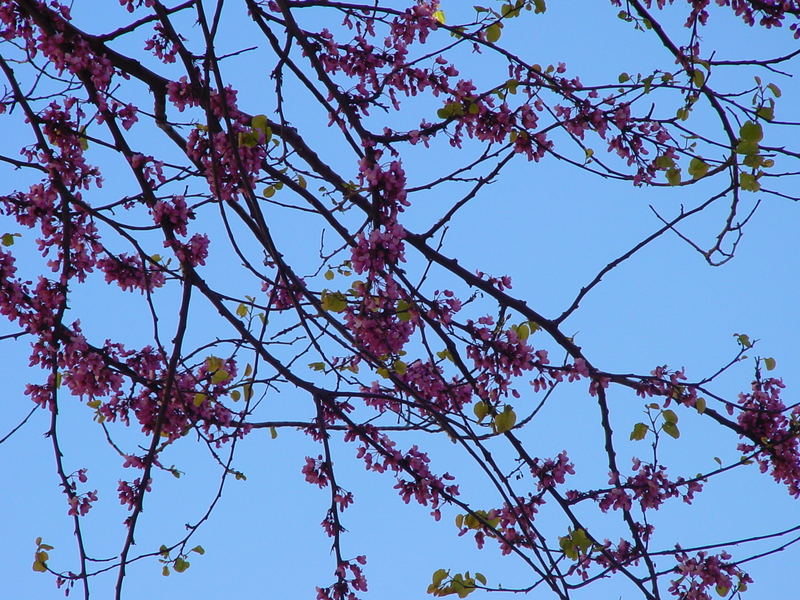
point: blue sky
(548, 226)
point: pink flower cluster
(705, 571)
(130, 273)
(772, 431)
(429, 387)
(650, 486)
(425, 487)
(345, 587)
(79, 504)
(174, 214)
(552, 471)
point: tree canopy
(229, 222)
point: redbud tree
(264, 190)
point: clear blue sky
(548, 226)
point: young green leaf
(697, 168)
(639, 431)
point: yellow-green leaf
(259, 122)
(481, 409)
(751, 131)
(766, 112)
(493, 33)
(748, 182)
(697, 168)
(505, 420)
(333, 301)
(769, 363)
(439, 16)
(438, 577)
(219, 376)
(639, 431)
(673, 176)
(670, 416)
(700, 405)
(181, 565)
(241, 310)
(776, 91)
(671, 430)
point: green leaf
(568, 547)
(403, 313)
(766, 112)
(776, 91)
(438, 577)
(329, 275)
(671, 430)
(673, 176)
(670, 416)
(481, 409)
(333, 301)
(648, 83)
(445, 354)
(180, 565)
(747, 147)
(698, 78)
(751, 131)
(8, 239)
(581, 540)
(165, 571)
(480, 577)
(697, 168)
(493, 33)
(540, 5)
(748, 182)
(273, 433)
(523, 332)
(505, 420)
(400, 367)
(241, 310)
(220, 376)
(700, 405)
(259, 122)
(39, 567)
(639, 431)
(743, 339)
(250, 140)
(199, 399)
(268, 192)
(664, 162)
(623, 77)
(198, 550)
(769, 363)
